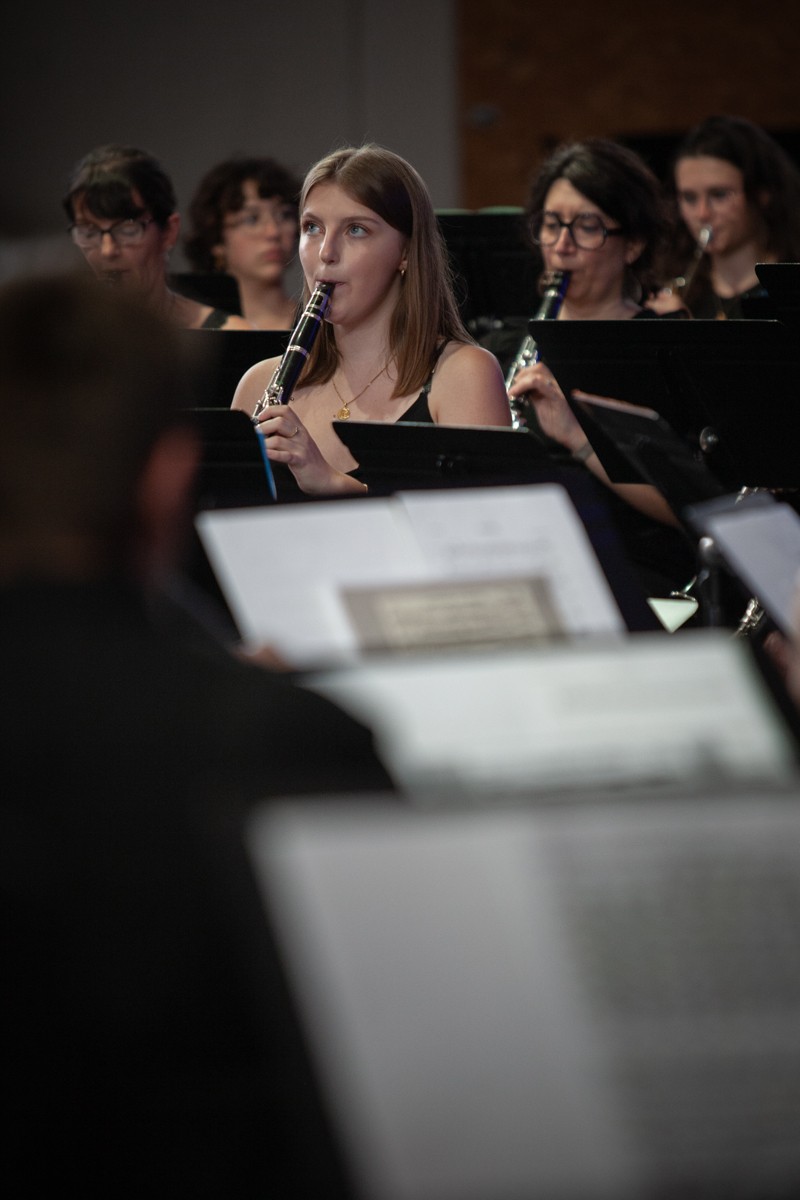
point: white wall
(291, 79)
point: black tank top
(420, 411)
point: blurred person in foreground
(148, 1041)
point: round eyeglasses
(253, 220)
(586, 230)
(125, 233)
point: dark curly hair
(107, 177)
(221, 191)
(620, 183)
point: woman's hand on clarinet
(554, 414)
(288, 441)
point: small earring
(402, 272)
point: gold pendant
(343, 414)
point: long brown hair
(426, 314)
(771, 182)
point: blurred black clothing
(149, 1043)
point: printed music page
(327, 582)
(647, 711)
(282, 569)
(517, 531)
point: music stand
(731, 388)
(216, 288)
(409, 455)
(225, 355)
(782, 281)
(655, 451)
(496, 271)
(234, 469)
(234, 472)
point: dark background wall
(472, 92)
(193, 83)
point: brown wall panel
(532, 74)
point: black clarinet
(296, 353)
(555, 289)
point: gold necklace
(344, 412)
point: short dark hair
(89, 378)
(106, 178)
(620, 183)
(221, 191)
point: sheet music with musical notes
(289, 572)
(517, 531)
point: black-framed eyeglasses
(587, 230)
(128, 232)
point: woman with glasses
(244, 222)
(738, 196)
(597, 211)
(123, 218)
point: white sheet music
(588, 1001)
(284, 569)
(517, 531)
(649, 711)
(457, 1053)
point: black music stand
(646, 442)
(216, 288)
(234, 469)
(495, 268)
(408, 455)
(639, 438)
(225, 355)
(234, 473)
(782, 281)
(730, 388)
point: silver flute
(296, 354)
(683, 282)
